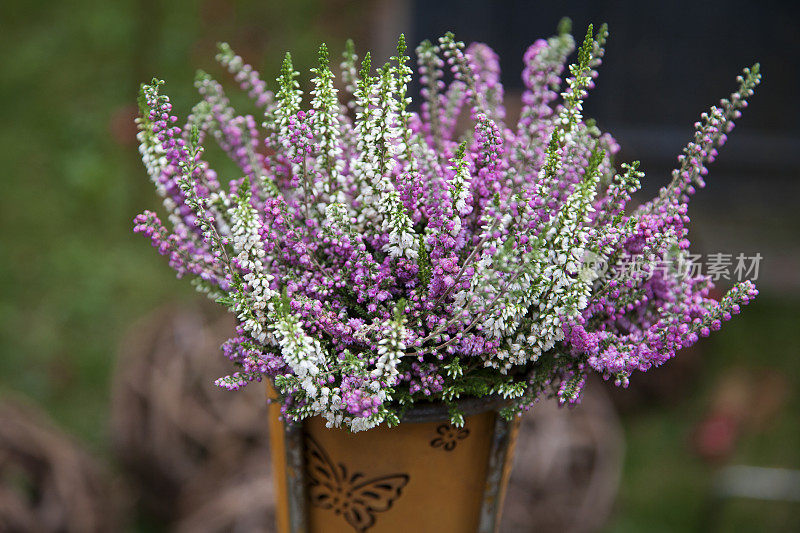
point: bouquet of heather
(376, 257)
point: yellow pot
(423, 475)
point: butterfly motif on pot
(353, 496)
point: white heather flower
(327, 125)
(460, 191)
(302, 353)
(391, 348)
(378, 137)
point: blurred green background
(73, 277)
(73, 274)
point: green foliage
(456, 415)
(288, 88)
(391, 419)
(349, 67)
(453, 369)
(424, 264)
(601, 37)
(400, 309)
(349, 49)
(225, 50)
(564, 26)
(288, 74)
(586, 49)
(365, 80)
(324, 58)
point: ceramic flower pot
(423, 475)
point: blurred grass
(666, 487)
(73, 277)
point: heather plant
(376, 256)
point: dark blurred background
(73, 277)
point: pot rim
(438, 411)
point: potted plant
(391, 273)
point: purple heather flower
(375, 257)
